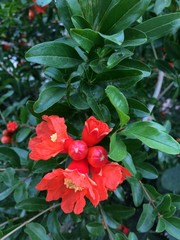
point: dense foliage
(118, 61)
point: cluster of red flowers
(89, 174)
(38, 9)
(8, 132)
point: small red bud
(6, 139)
(5, 132)
(78, 150)
(97, 156)
(31, 15)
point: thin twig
(8, 72)
(104, 223)
(166, 90)
(157, 89)
(16, 169)
(9, 221)
(28, 221)
(148, 196)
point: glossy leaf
(120, 103)
(48, 98)
(138, 108)
(123, 78)
(32, 204)
(43, 2)
(117, 57)
(170, 179)
(117, 38)
(172, 226)
(148, 171)
(22, 134)
(129, 164)
(95, 228)
(54, 73)
(147, 218)
(122, 15)
(86, 38)
(152, 137)
(133, 37)
(132, 236)
(117, 148)
(36, 231)
(54, 226)
(9, 155)
(4, 194)
(137, 191)
(54, 54)
(160, 26)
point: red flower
(109, 177)
(12, 126)
(72, 187)
(124, 229)
(78, 150)
(50, 140)
(94, 131)
(6, 139)
(39, 9)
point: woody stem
(105, 224)
(28, 221)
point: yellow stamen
(53, 137)
(69, 184)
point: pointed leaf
(117, 148)
(36, 231)
(120, 103)
(54, 54)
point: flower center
(53, 137)
(69, 184)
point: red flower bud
(5, 132)
(78, 150)
(6, 139)
(94, 131)
(81, 166)
(97, 156)
(12, 126)
(31, 15)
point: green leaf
(20, 193)
(36, 231)
(43, 3)
(175, 200)
(129, 164)
(78, 101)
(122, 15)
(54, 54)
(54, 73)
(44, 166)
(160, 226)
(80, 22)
(147, 218)
(165, 67)
(121, 77)
(8, 191)
(138, 108)
(22, 134)
(170, 179)
(137, 191)
(152, 191)
(119, 212)
(117, 150)
(117, 57)
(152, 137)
(173, 49)
(160, 5)
(86, 38)
(120, 103)
(160, 26)
(133, 37)
(32, 204)
(164, 205)
(8, 155)
(172, 226)
(8, 177)
(48, 98)
(132, 236)
(95, 229)
(131, 64)
(117, 38)
(147, 171)
(54, 226)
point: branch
(28, 221)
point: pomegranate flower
(72, 187)
(50, 140)
(109, 177)
(12, 126)
(94, 131)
